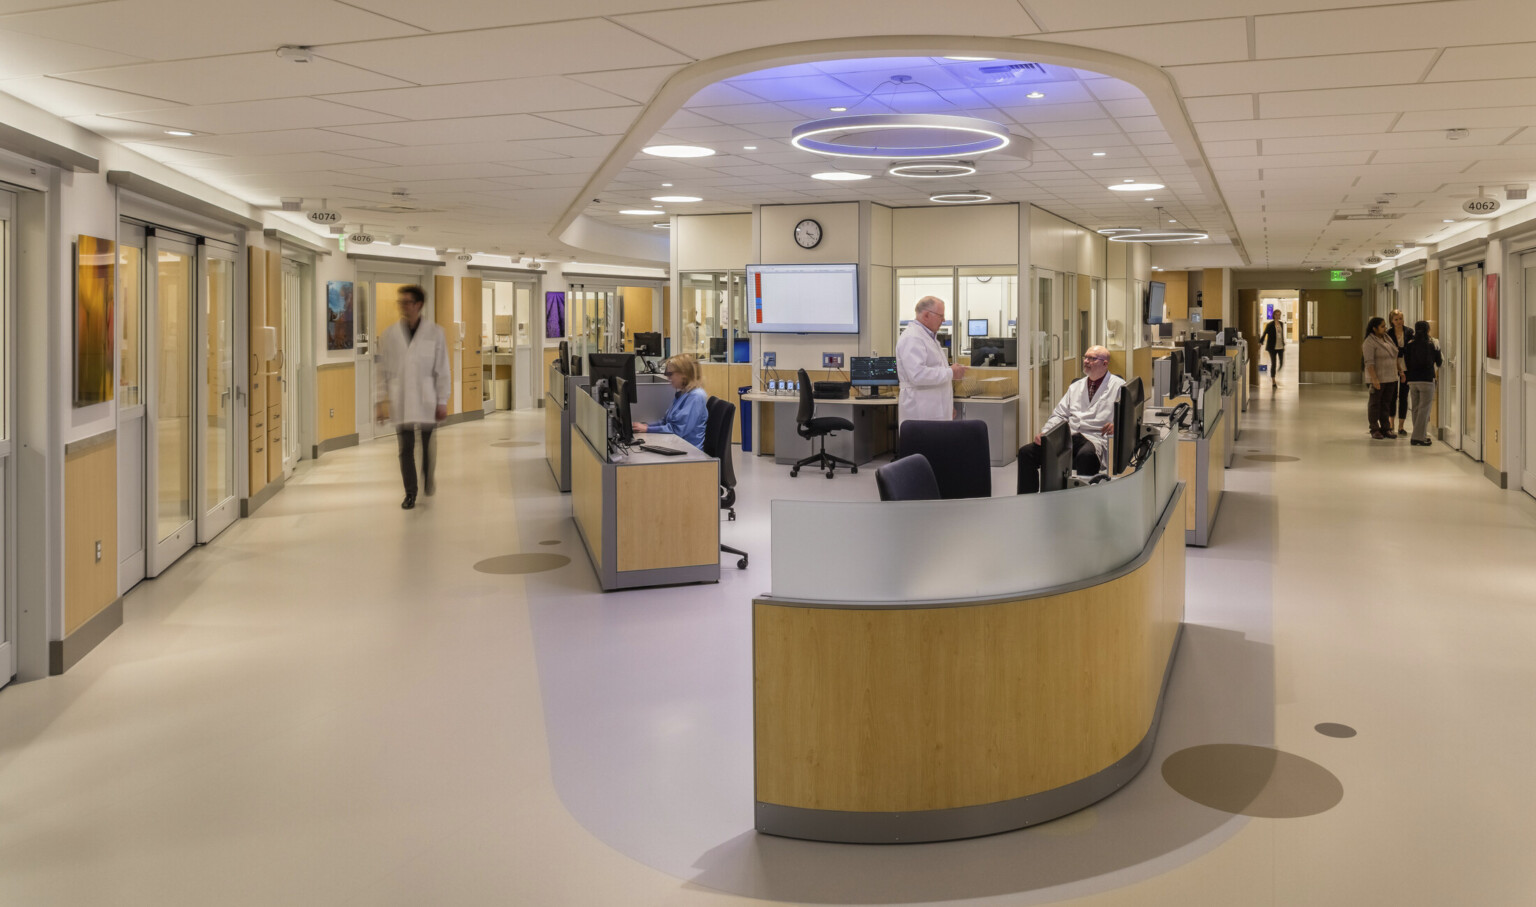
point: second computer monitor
(1056, 458)
(1128, 409)
(873, 371)
(978, 327)
(648, 343)
(611, 366)
(999, 351)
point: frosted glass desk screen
(803, 299)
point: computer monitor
(1152, 302)
(1056, 458)
(995, 351)
(1212, 324)
(943, 338)
(978, 327)
(717, 349)
(617, 369)
(742, 349)
(1128, 410)
(563, 358)
(1195, 352)
(1175, 373)
(621, 424)
(648, 343)
(873, 371)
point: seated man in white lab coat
(1088, 408)
(923, 369)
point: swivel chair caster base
(794, 472)
(741, 564)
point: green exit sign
(1338, 277)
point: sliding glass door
(216, 408)
(7, 599)
(169, 425)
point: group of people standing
(1401, 366)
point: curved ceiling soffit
(688, 81)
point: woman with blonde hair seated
(687, 415)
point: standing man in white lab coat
(412, 385)
(923, 369)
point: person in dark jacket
(1421, 360)
(1397, 399)
(1273, 339)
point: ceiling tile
(470, 152)
(29, 55)
(463, 15)
(1400, 27)
(1208, 41)
(636, 84)
(1487, 61)
(602, 121)
(507, 127)
(1379, 141)
(1295, 126)
(284, 141)
(503, 53)
(1466, 118)
(279, 163)
(740, 114)
(68, 99)
(1427, 96)
(499, 96)
(716, 30)
(172, 29)
(242, 77)
(431, 172)
(1399, 67)
(255, 116)
(1224, 107)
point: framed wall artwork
(95, 300)
(1492, 297)
(338, 315)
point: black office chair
(811, 428)
(717, 443)
(958, 451)
(908, 479)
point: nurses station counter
(654, 396)
(933, 670)
(1202, 467)
(646, 519)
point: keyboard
(664, 451)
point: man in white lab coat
(1088, 408)
(923, 369)
(412, 385)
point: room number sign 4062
(1481, 205)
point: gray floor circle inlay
(1332, 729)
(522, 563)
(1252, 780)
(1273, 458)
(515, 444)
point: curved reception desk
(931, 670)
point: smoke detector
(292, 204)
(1456, 135)
(296, 53)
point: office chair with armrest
(810, 427)
(958, 451)
(908, 479)
(717, 444)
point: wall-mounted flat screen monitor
(803, 299)
(978, 327)
(1154, 302)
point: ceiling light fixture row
(941, 168)
(1158, 235)
(959, 198)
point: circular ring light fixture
(931, 170)
(676, 199)
(839, 176)
(678, 151)
(1135, 187)
(900, 136)
(1160, 236)
(1116, 231)
(960, 198)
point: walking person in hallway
(1421, 361)
(1399, 334)
(412, 384)
(1273, 338)
(1383, 372)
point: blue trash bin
(746, 419)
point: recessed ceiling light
(1448, 221)
(1172, 221)
(678, 151)
(1100, 153)
(177, 132)
(665, 225)
(1149, 199)
(748, 147)
(677, 199)
(1035, 95)
(1136, 187)
(655, 206)
(666, 185)
(648, 212)
(839, 176)
(837, 109)
(959, 198)
(970, 59)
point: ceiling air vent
(1380, 216)
(394, 209)
(1013, 69)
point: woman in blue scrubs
(687, 415)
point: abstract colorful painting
(338, 315)
(95, 300)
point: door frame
(8, 621)
(213, 517)
(132, 566)
(161, 553)
(369, 274)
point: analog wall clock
(808, 234)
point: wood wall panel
(443, 313)
(669, 515)
(256, 372)
(337, 409)
(1493, 419)
(90, 516)
(587, 494)
(1177, 296)
(1013, 698)
(1214, 297)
